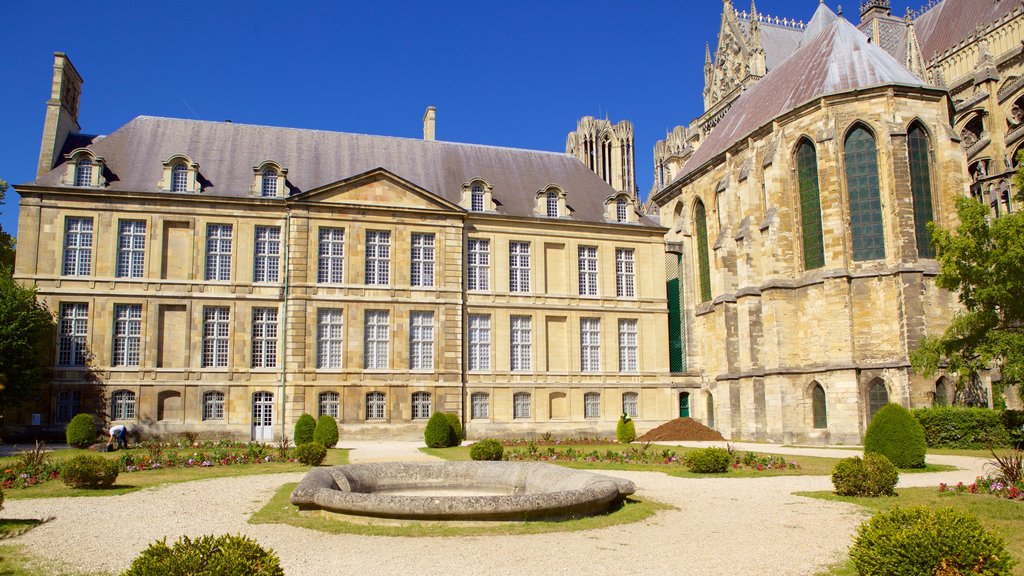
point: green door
(684, 404)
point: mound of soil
(681, 429)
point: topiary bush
(625, 430)
(206, 556)
(920, 540)
(455, 423)
(326, 431)
(956, 427)
(895, 433)
(486, 449)
(81, 431)
(438, 433)
(708, 460)
(873, 476)
(310, 453)
(304, 428)
(88, 471)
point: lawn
(280, 511)
(1005, 517)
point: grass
(15, 561)
(1005, 517)
(280, 511)
(132, 481)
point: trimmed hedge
(304, 428)
(88, 471)
(487, 449)
(873, 476)
(625, 430)
(81, 431)
(206, 556)
(438, 433)
(919, 540)
(310, 453)
(955, 427)
(895, 433)
(708, 460)
(326, 431)
(455, 423)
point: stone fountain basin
(459, 491)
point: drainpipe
(284, 316)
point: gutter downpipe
(284, 316)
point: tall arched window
(861, 158)
(179, 178)
(83, 172)
(552, 204)
(700, 222)
(269, 184)
(878, 397)
(921, 187)
(818, 406)
(711, 411)
(941, 392)
(810, 205)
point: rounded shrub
(326, 431)
(625, 430)
(310, 453)
(455, 423)
(895, 433)
(304, 428)
(81, 431)
(875, 475)
(88, 471)
(708, 460)
(486, 449)
(920, 540)
(438, 433)
(206, 556)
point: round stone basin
(459, 491)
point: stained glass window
(818, 406)
(865, 200)
(810, 205)
(921, 188)
(701, 222)
(878, 397)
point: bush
(455, 423)
(625, 430)
(952, 427)
(88, 471)
(1014, 422)
(708, 460)
(486, 449)
(875, 475)
(895, 433)
(438, 433)
(304, 428)
(206, 556)
(310, 453)
(919, 540)
(326, 431)
(81, 431)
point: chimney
(61, 112)
(429, 118)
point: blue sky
(513, 74)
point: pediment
(378, 188)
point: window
(83, 172)
(329, 404)
(268, 188)
(522, 338)
(481, 405)
(264, 338)
(267, 254)
(421, 340)
(711, 411)
(420, 405)
(330, 332)
(621, 212)
(861, 159)
(216, 323)
(375, 351)
(74, 329)
(331, 263)
(700, 221)
(588, 270)
(625, 273)
(479, 265)
(422, 260)
(476, 202)
(629, 404)
(375, 406)
(921, 188)
(131, 249)
(218, 252)
(122, 405)
(479, 342)
(627, 346)
(591, 405)
(590, 345)
(810, 205)
(378, 257)
(941, 393)
(521, 405)
(818, 406)
(69, 403)
(552, 204)
(519, 266)
(179, 178)
(878, 397)
(213, 406)
(77, 246)
(127, 334)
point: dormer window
(83, 169)
(83, 172)
(181, 175)
(552, 204)
(476, 196)
(477, 199)
(621, 214)
(269, 187)
(621, 207)
(179, 178)
(268, 180)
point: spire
(758, 64)
(986, 69)
(707, 54)
(915, 61)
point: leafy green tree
(26, 333)
(6, 240)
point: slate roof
(226, 153)
(947, 23)
(778, 41)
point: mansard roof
(951, 21)
(227, 152)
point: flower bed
(640, 455)
(988, 487)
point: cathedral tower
(606, 149)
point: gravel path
(736, 526)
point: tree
(6, 240)
(26, 335)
